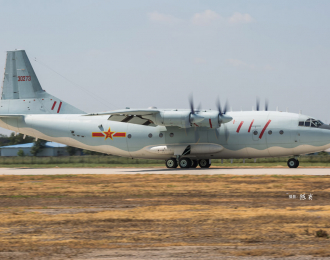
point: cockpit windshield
(311, 122)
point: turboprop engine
(186, 119)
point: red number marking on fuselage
(239, 126)
(250, 126)
(210, 122)
(264, 129)
(59, 107)
(53, 105)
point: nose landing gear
(293, 163)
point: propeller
(258, 104)
(222, 113)
(223, 118)
(194, 118)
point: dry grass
(43, 216)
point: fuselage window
(150, 135)
(161, 135)
(171, 134)
(129, 136)
(255, 132)
(307, 123)
(281, 132)
(301, 123)
(270, 132)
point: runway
(198, 171)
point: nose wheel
(293, 163)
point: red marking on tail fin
(59, 107)
(210, 122)
(120, 134)
(53, 105)
(264, 129)
(250, 126)
(239, 126)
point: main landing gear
(187, 163)
(293, 163)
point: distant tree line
(38, 145)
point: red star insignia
(108, 134)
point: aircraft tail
(22, 93)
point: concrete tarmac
(198, 171)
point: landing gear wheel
(185, 163)
(171, 163)
(204, 163)
(293, 163)
(194, 163)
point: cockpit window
(311, 122)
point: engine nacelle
(186, 119)
(183, 119)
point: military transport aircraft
(180, 137)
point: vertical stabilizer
(22, 92)
(20, 81)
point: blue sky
(155, 53)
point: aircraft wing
(127, 112)
(11, 116)
(129, 116)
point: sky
(105, 55)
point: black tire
(194, 163)
(293, 163)
(185, 163)
(171, 163)
(204, 163)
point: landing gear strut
(293, 163)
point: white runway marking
(198, 171)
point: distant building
(50, 149)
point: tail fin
(22, 92)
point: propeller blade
(199, 108)
(196, 135)
(266, 105)
(217, 132)
(225, 108)
(257, 104)
(191, 104)
(226, 133)
(219, 106)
